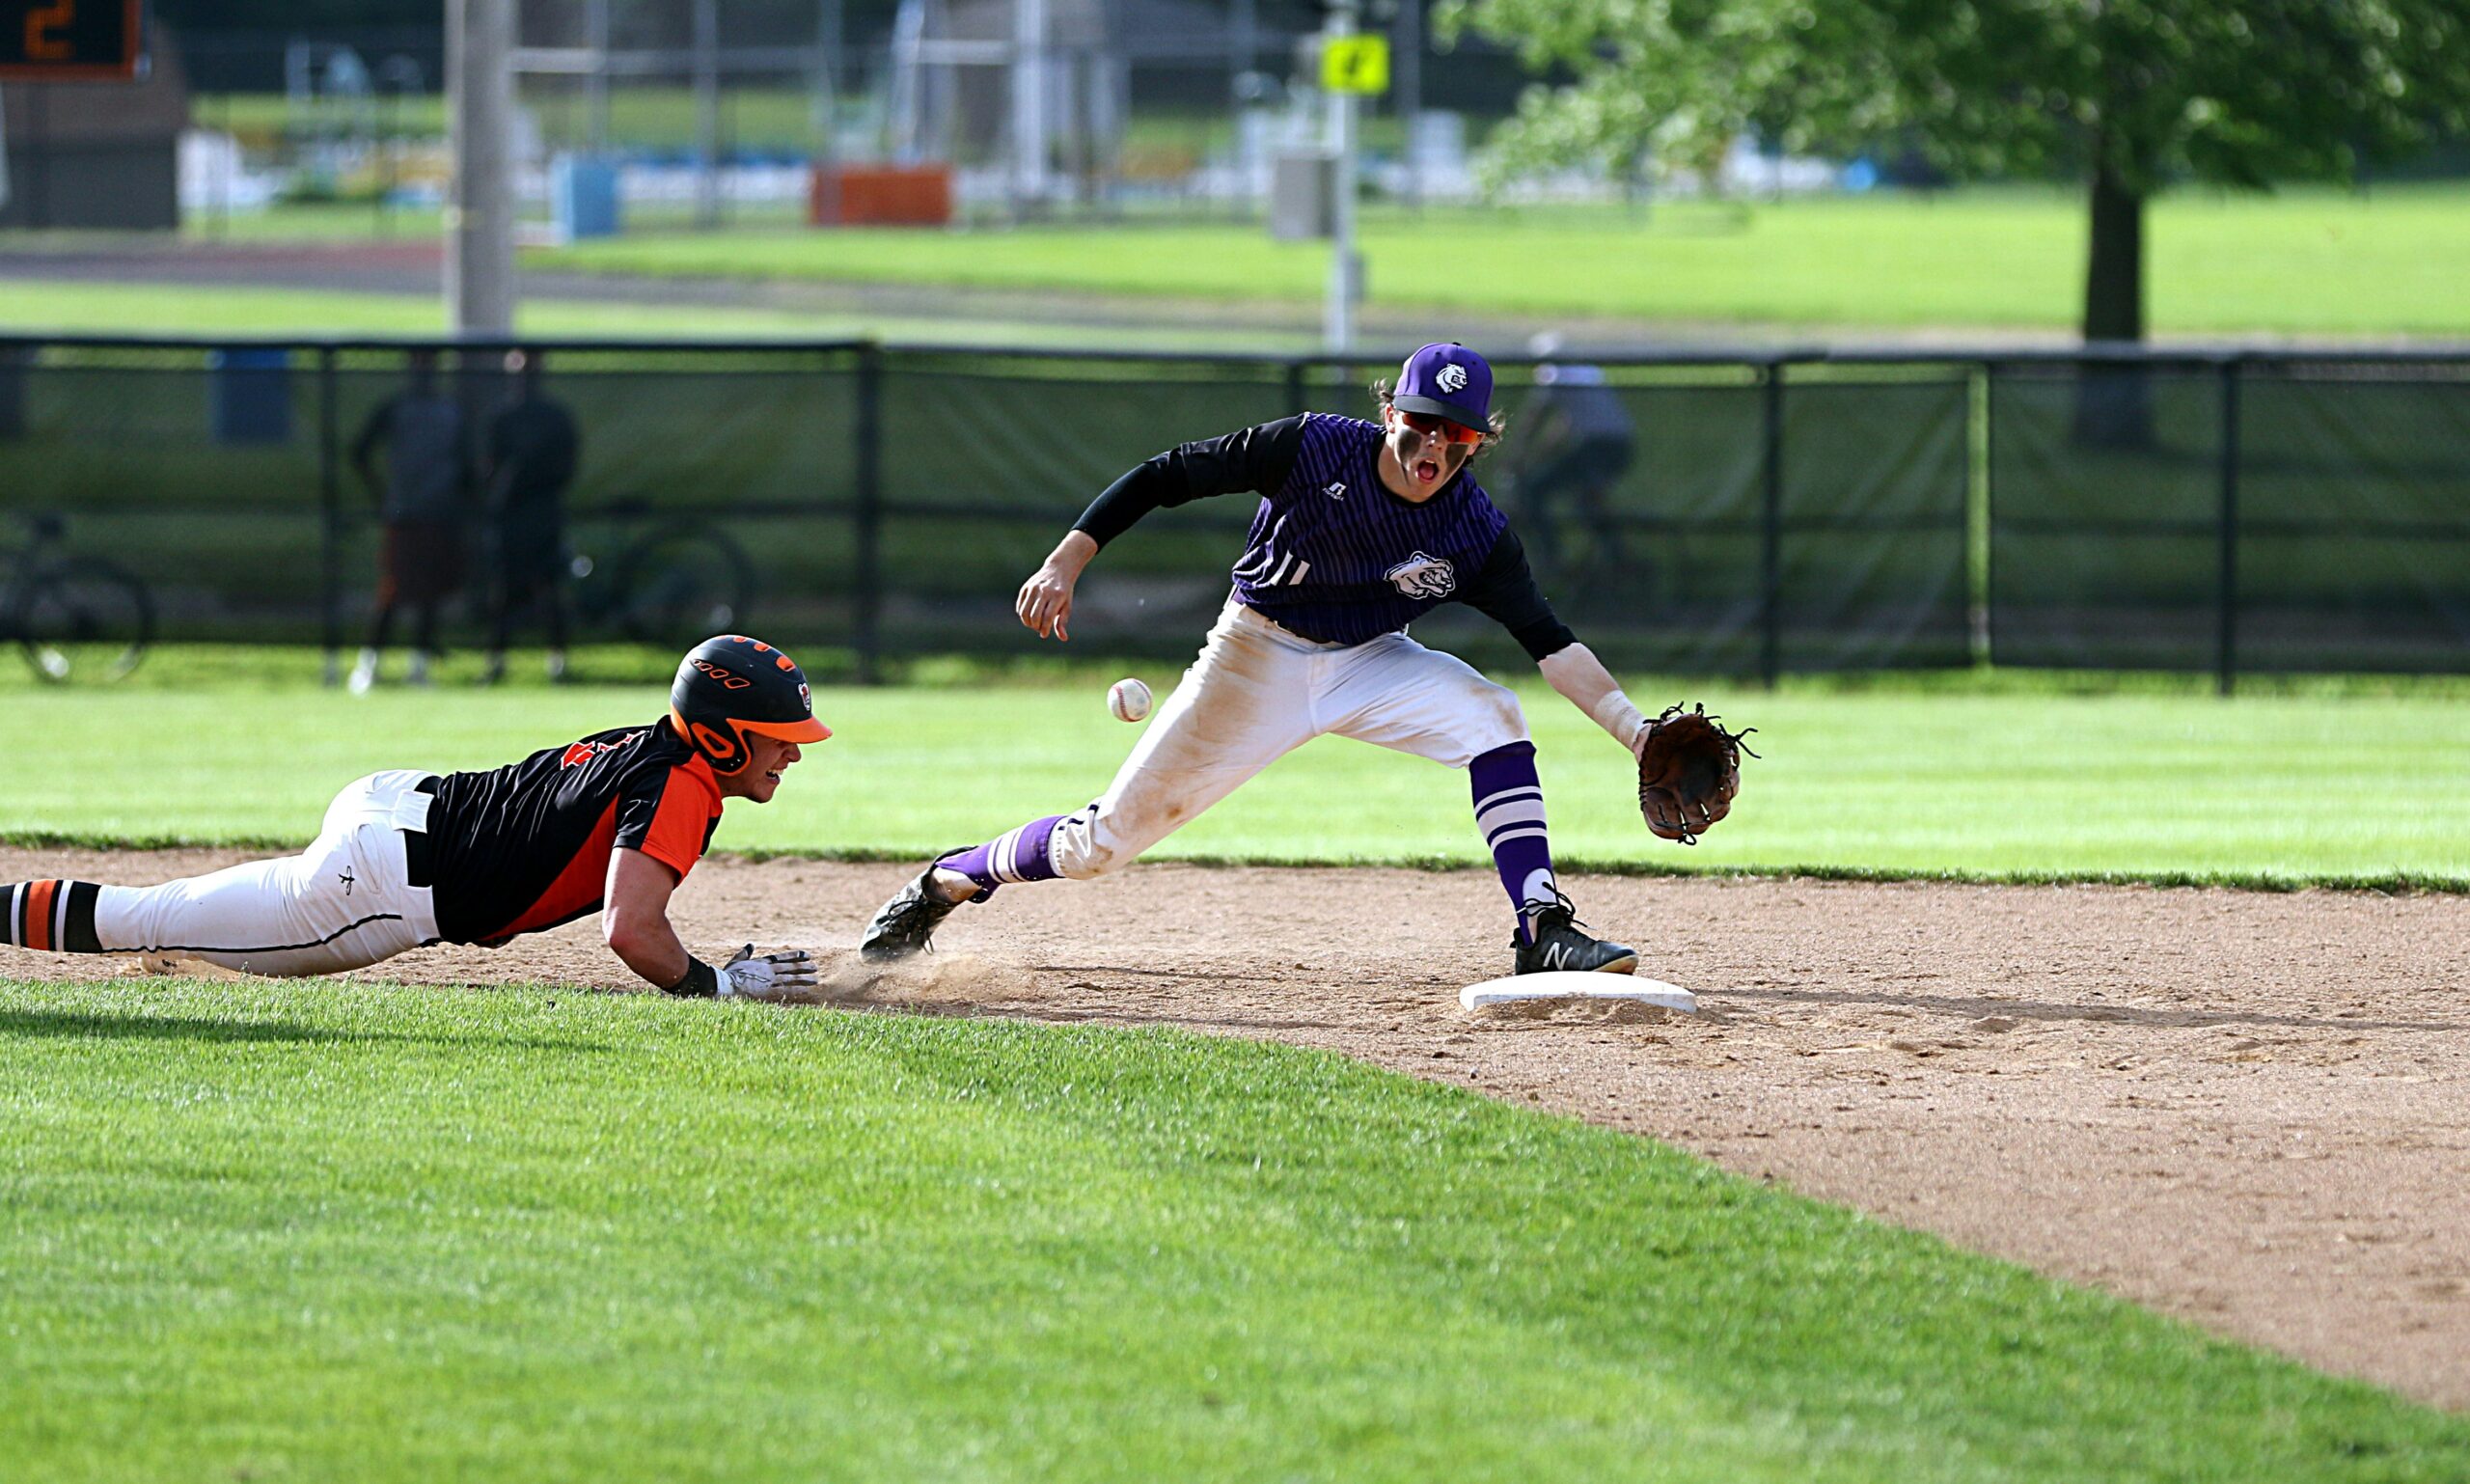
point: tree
(2128, 95)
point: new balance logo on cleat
(1559, 942)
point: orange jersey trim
(579, 887)
(684, 819)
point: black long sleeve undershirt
(1253, 459)
(1505, 591)
(1257, 460)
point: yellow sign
(1356, 64)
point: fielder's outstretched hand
(1045, 604)
(772, 977)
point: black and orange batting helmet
(730, 685)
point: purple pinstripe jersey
(1336, 557)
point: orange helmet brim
(809, 730)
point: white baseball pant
(1258, 692)
(342, 904)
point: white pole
(1410, 90)
(708, 113)
(1346, 270)
(1029, 104)
(479, 223)
(826, 96)
(597, 84)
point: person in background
(1576, 441)
(532, 450)
(423, 493)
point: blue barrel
(251, 396)
(582, 197)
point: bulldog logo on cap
(1446, 380)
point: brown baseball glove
(1688, 772)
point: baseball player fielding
(1362, 528)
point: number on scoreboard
(69, 40)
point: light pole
(1346, 266)
(479, 232)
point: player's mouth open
(1427, 471)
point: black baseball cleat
(905, 926)
(1561, 944)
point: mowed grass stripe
(318, 1230)
(2173, 788)
(2299, 262)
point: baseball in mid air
(1127, 700)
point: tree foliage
(2242, 92)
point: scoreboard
(69, 40)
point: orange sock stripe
(38, 900)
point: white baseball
(1127, 700)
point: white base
(1575, 984)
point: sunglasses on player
(1447, 430)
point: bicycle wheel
(680, 585)
(83, 618)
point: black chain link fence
(1750, 514)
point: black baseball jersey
(1332, 555)
(526, 846)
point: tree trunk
(2114, 407)
(2114, 274)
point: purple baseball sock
(1015, 855)
(1509, 808)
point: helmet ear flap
(723, 747)
(727, 750)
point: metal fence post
(1297, 388)
(330, 553)
(2226, 662)
(1980, 507)
(1770, 552)
(867, 542)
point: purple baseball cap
(1447, 381)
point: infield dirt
(2244, 1110)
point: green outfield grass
(166, 309)
(2006, 782)
(2304, 262)
(319, 1232)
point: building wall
(98, 154)
(118, 184)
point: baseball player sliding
(1362, 528)
(611, 823)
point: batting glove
(771, 977)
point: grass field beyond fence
(2304, 262)
(324, 1231)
